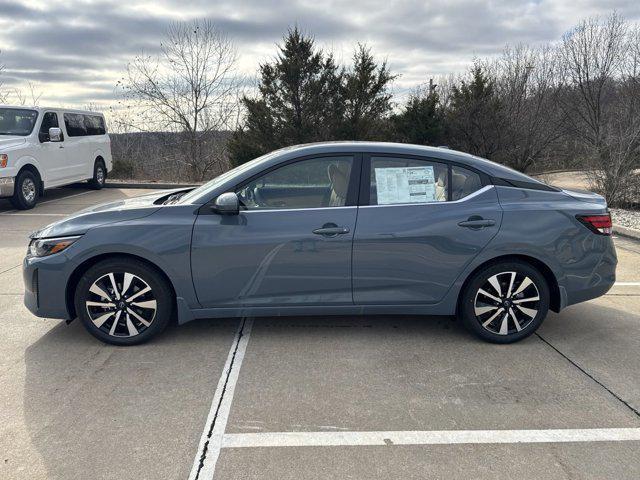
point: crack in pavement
(615, 395)
(246, 324)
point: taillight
(600, 224)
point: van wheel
(99, 175)
(505, 302)
(26, 192)
(123, 301)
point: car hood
(10, 142)
(112, 212)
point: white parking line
(626, 284)
(210, 444)
(442, 437)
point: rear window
(80, 125)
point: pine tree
(421, 120)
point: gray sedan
(329, 229)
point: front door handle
(331, 230)
(476, 222)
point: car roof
(487, 166)
(58, 109)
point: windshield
(220, 179)
(14, 121)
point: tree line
(187, 114)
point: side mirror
(227, 204)
(55, 134)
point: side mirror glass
(55, 134)
(227, 204)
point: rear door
(291, 243)
(420, 223)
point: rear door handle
(331, 230)
(476, 223)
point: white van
(42, 148)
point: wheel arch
(82, 268)
(543, 268)
(33, 169)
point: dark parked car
(329, 229)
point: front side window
(17, 121)
(74, 123)
(49, 120)
(407, 180)
(312, 183)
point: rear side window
(407, 180)
(463, 182)
(80, 125)
(49, 120)
(74, 122)
(94, 125)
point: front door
(289, 246)
(54, 155)
(422, 224)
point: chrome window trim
(468, 197)
(258, 210)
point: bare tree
(600, 100)
(189, 88)
(526, 82)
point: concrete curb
(149, 185)
(627, 232)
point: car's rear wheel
(26, 190)
(123, 301)
(505, 302)
(99, 175)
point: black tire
(485, 316)
(99, 175)
(132, 314)
(27, 190)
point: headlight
(42, 247)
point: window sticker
(405, 185)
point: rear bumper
(7, 186)
(580, 288)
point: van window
(49, 120)
(94, 125)
(14, 121)
(75, 124)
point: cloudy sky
(74, 52)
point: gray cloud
(83, 47)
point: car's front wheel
(123, 301)
(505, 302)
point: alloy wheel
(507, 303)
(29, 190)
(121, 304)
(100, 175)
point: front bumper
(7, 186)
(45, 280)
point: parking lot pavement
(320, 397)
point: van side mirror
(55, 134)
(227, 204)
